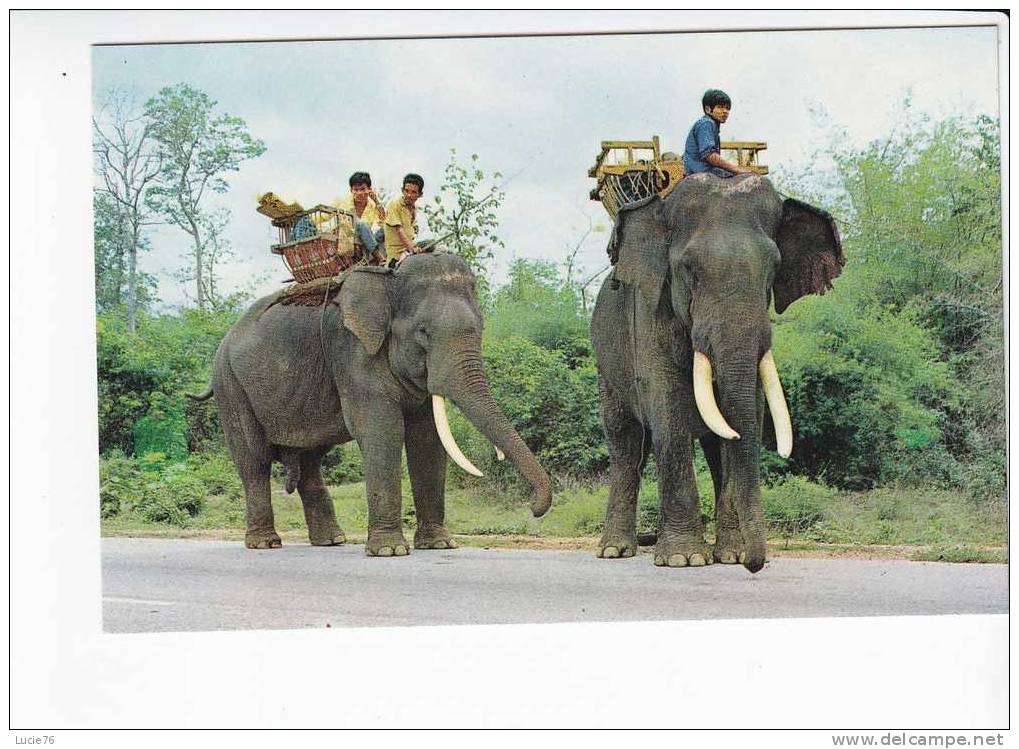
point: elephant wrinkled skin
(683, 341)
(292, 381)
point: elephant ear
(811, 252)
(639, 250)
(367, 309)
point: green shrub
(120, 484)
(342, 465)
(204, 431)
(795, 504)
(217, 473)
(163, 429)
(168, 354)
(175, 497)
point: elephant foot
(262, 540)
(617, 545)
(729, 548)
(330, 539)
(433, 537)
(387, 544)
(678, 552)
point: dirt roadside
(776, 549)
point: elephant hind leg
(319, 512)
(252, 455)
(629, 445)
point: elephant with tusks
(376, 365)
(682, 336)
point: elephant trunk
(468, 389)
(740, 450)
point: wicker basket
(317, 243)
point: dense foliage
(894, 378)
(898, 374)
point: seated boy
(704, 143)
(365, 205)
(401, 220)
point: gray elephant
(683, 341)
(373, 365)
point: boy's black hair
(414, 179)
(713, 97)
(360, 178)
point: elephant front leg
(729, 547)
(681, 533)
(319, 512)
(381, 441)
(426, 464)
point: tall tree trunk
(199, 259)
(132, 280)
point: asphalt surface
(158, 585)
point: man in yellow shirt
(366, 206)
(401, 220)
(363, 201)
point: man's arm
(704, 136)
(408, 246)
(715, 159)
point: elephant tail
(647, 539)
(203, 396)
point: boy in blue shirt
(704, 144)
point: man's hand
(378, 204)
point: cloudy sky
(534, 109)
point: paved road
(156, 585)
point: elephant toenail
(385, 551)
(742, 557)
(696, 560)
(400, 551)
(611, 552)
(677, 560)
(659, 561)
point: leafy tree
(111, 263)
(127, 165)
(914, 327)
(216, 250)
(538, 305)
(169, 354)
(464, 213)
(197, 148)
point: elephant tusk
(776, 404)
(499, 454)
(704, 395)
(446, 437)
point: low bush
(175, 497)
(120, 484)
(151, 486)
(342, 465)
(795, 504)
(217, 473)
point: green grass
(941, 525)
(911, 517)
(961, 553)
